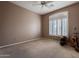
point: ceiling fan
(45, 4)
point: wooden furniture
(74, 41)
(77, 42)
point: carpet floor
(42, 48)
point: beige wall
(73, 19)
(18, 24)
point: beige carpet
(43, 48)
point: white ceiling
(41, 11)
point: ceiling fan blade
(47, 2)
(36, 4)
(49, 6)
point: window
(58, 24)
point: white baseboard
(18, 43)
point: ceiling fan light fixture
(45, 4)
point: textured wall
(73, 19)
(18, 24)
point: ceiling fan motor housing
(43, 2)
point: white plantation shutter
(54, 26)
(58, 25)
